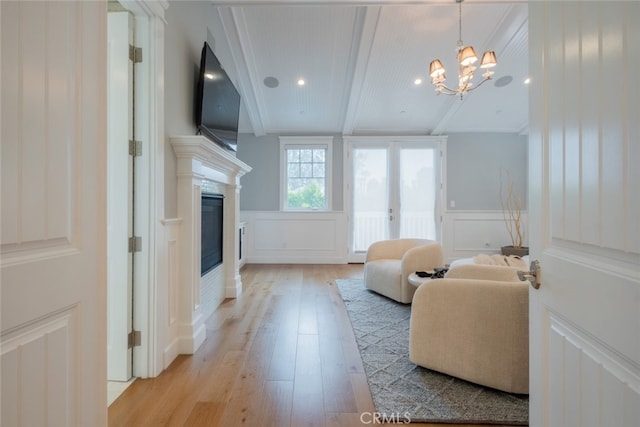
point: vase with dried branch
(511, 203)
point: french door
(394, 190)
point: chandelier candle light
(466, 58)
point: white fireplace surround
(201, 162)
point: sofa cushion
(483, 272)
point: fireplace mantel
(201, 163)
(203, 158)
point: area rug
(398, 386)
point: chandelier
(466, 58)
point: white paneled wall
(467, 233)
(321, 237)
(169, 292)
(295, 237)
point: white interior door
(119, 196)
(53, 208)
(394, 190)
(584, 212)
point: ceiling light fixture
(466, 58)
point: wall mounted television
(217, 102)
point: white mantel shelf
(201, 162)
(199, 149)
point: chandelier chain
(460, 23)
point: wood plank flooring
(282, 354)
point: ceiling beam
(237, 35)
(362, 43)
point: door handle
(533, 275)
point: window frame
(306, 142)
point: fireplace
(205, 172)
(211, 232)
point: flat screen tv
(217, 102)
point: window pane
(293, 155)
(318, 170)
(305, 155)
(305, 169)
(318, 155)
(293, 170)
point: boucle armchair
(389, 262)
(475, 328)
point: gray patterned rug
(398, 386)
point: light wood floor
(282, 354)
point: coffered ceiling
(360, 61)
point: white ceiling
(360, 63)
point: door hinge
(135, 148)
(135, 54)
(134, 339)
(135, 244)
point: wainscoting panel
(321, 237)
(168, 304)
(468, 233)
(295, 237)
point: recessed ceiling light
(417, 82)
(209, 76)
(301, 82)
(527, 80)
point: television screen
(217, 102)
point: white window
(305, 172)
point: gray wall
(189, 25)
(474, 162)
(261, 187)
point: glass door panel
(370, 197)
(418, 192)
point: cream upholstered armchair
(389, 263)
(474, 325)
